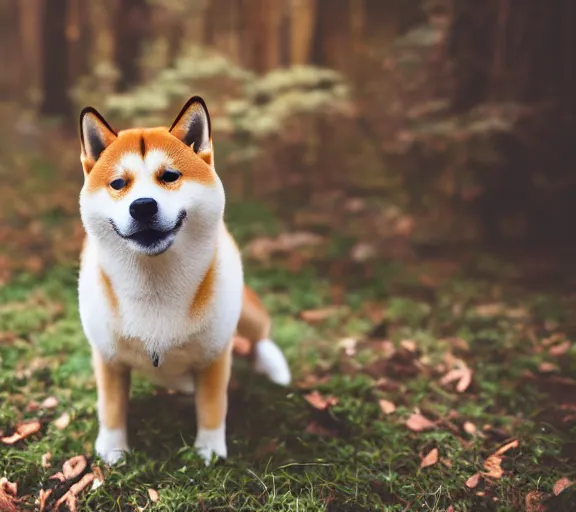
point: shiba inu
(161, 287)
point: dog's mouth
(151, 238)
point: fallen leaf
(489, 310)
(49, 402)
(70, 501)
(469, 428)
(314, 428)
(546, 367)
(506, 447)
(98, 477)
(362, 252)
(320, 314)
(493, 468)
(418, 423)
(316, 400)
(23, 430)
(8, 493)
(32, 406)
(74, 466)
(409, 345)
(153, 494)
(560, 350)
(46, 458)
(241, 345)
(84, 482)
(463, 375)
(386, 406)
(44, 495)
(534, 501)
(63, 421)
(430, 459)
(473, 481)
(8, 487)
(349, 346)
(560, 485)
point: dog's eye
(118, 184)
(169, 176)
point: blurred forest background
(398, 123)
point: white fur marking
(271, 362)
(211, 441)
(110, 444)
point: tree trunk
(55, 83)
(302, 27)
(131, 29)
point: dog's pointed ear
(192, 126)
(95, 136)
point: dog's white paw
(211, 442)
(111, 444)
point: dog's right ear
(95, 136)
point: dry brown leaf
(44, 495)
(349, 346)
(493, 468)
(316, 429)
(241, 345)
(470, 428)
(546, 367)
(8, 487)
(316, 400)
(70, 501)
(463, 375)
(489, 310)
(46, 458)
(418, 423)
(502, 450)
(63, 421)
(409, 345)
(534, 501)
(84, 482)
(98, 477)
(560, 350)
(560, 485)
(23, 430)
(74, 466)
(430, 459)
(473, 481)
(320, 314)
(386, 406)
(8, 493)
(153, 494)
(49, 402)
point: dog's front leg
(211, 407)
(113, 383)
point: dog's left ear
(192, 127)
(95, 136)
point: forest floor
(432, 383)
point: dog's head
(143, 187)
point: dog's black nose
(144, 208)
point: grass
(285, 454)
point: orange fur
(212, 391)
(109, 291)
(205, 291)
(113, 382)
(254, 323)
(192, 166)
